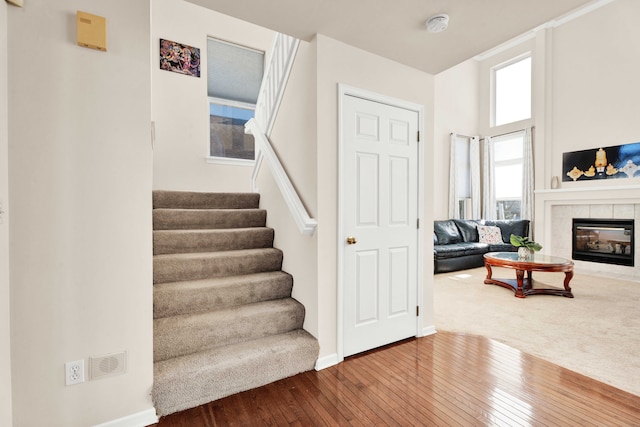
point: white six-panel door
(379, 217)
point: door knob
(351, 240)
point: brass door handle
(351, 240)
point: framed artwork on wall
(179, 58)
(619, 161)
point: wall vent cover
(107, 365)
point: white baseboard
(327, 361)
(429, 330)
(140, 419)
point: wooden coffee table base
(524, 286)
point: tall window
(508, 168)
(234, 77)
(512, 91)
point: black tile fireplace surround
(609, 241)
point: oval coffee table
(524, 286)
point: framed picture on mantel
(619, 161)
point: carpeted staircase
(224, 320)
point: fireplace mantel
(594, 195)
(555, 207)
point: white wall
(5, 337)
(341, 63)
(595, 85)
(180, 107)
(80, 191)
(294, 140)
(457, 110)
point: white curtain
(453, 180)
(474, 157)
(488, 188)
(527, 175)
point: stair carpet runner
(224, 320)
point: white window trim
(231, 103)
(229, 161)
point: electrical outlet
(74, 372)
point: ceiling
(395, 28)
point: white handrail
(305, 223)
(271, 91)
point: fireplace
(608, 241)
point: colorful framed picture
(619, 161)
(179, 58)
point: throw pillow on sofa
(489, 234)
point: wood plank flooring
(445, 379)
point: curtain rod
(492, 136)
(461, 135)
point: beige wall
(340, 63)
(5, 340)
(456, 100)
(80, 192)
(180, 108)
(294, 140)
(595, 62)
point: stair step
(181, 267)
(181, 335)
(184, 241)
(189, 381)
(184, 219)
(181, 298)
(198, 200)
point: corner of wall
(6, 418)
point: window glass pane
(227, 136)
(507, 148)
(513, 92)
(508, 181)
(508, 209)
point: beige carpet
(597, 333)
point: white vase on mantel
(524, 252)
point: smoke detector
(437, 23)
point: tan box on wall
(92, 31)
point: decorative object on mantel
(618, 161)
(526, 247)
(179, 58)
(555, 182)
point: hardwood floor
(444, 379)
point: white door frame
(343, 91)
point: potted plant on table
(526, 247)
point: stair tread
(193, 199)
(178, 335)
(218, 254)
(210, 240)
(212, 230)
(203, 265)
(192, 380)
(180, 219)
(194, 296)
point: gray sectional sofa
(457, 245)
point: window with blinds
(234, 76)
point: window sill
(229, 161)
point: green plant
(519, 241)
